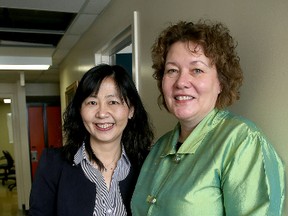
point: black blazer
(60, 189)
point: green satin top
(225, 167)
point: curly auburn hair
(218, 46)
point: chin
(184, 113)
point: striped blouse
(107, 202)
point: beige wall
(4, 135)
(259, 26)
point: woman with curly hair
(108, 135)
(213, 162)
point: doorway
(118, 52)
(8, 188)
(44, 127)
(124, 49)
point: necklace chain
(106, 167)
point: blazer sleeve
(43, 196)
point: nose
(183, 80)
(102, 111)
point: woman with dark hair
(213, 162)
(107, 137)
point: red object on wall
(44, 131)
(36, 135)
(53, 114)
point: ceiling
(43, 28)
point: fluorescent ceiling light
(24, 67)
(7, 100)
(25, 62)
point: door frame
(20, 136)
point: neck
(187, 128)
(184, 134)
(107, 155)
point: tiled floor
(8, 202)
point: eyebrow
(107, 96)
(112, 96)
(191, 63)
(199, 61)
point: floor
(8, 201)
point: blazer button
(151, 199)
(177, 158)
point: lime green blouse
(225, 167)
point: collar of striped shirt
(106, 202)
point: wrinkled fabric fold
(225, 167)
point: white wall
(4, 132)
(259, 26)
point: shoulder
(241, 134)
(161, 143)
(170, 135)
(164, 137)
(52, 155)
(234, 135)
(229, 121)
(51, 161)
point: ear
(220, 88)
(131, 112)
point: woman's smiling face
(190, 83)
(106, 114)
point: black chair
(9, 173)
(12, 176)
(4, 169)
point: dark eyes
(174, 72)
(197, 71)
(171, 72)
(92, 102)
(113, 102)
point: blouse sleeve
(253, 181)
(44, 187)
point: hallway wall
(259, 26)
(4, 141)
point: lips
(104, 126)
(184, 98)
